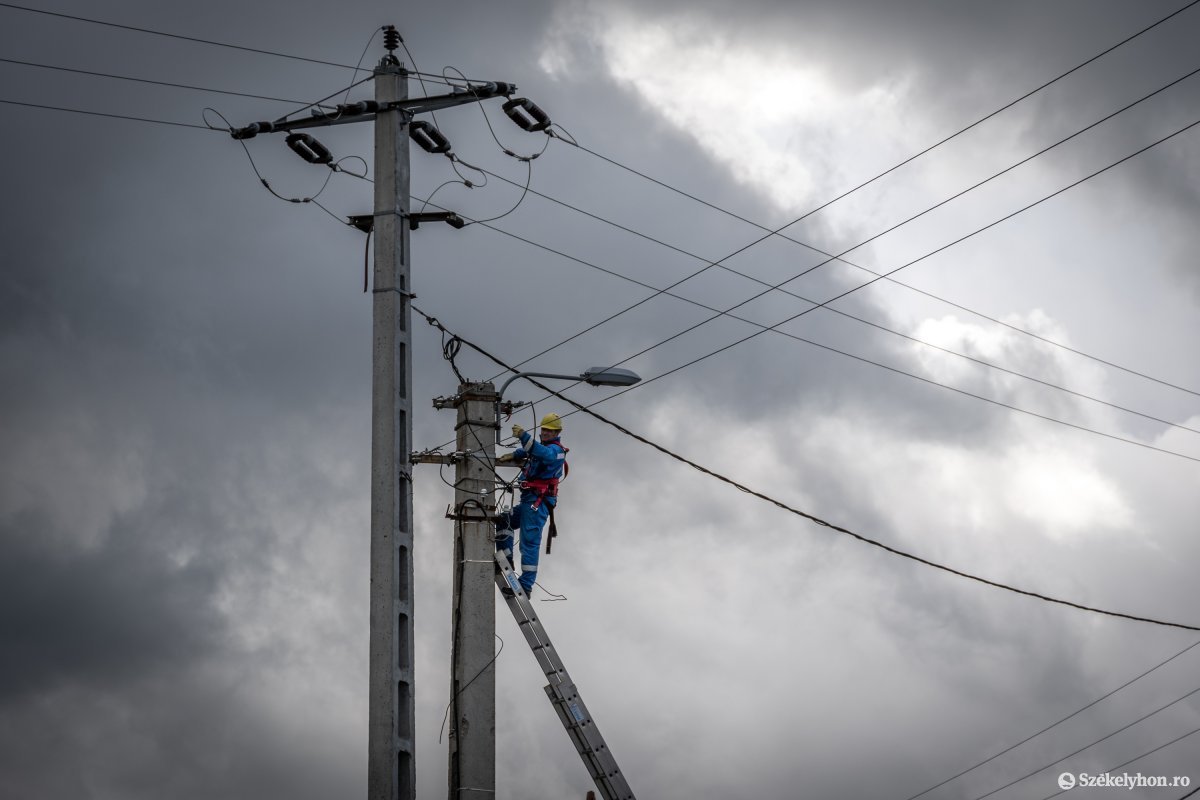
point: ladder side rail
(575, 715)
(531, 627)
(562, 692)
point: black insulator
(253, 129)
(361, 107)
(391, 38)
(522, 111)
(309, 149)
(430, 139)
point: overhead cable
(790, 509)
(1093, 744)
(1053, 725)
(147, 80)
(104, 114)
(175, 35)
(878, 277)
(831, 309)
(895, 281)
(778, 231)
(776, 329)
(1146, 754)
(990, 225)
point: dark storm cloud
(101, 617)
(188, 357)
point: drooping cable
(580, 408)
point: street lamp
(595, 376)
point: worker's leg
(504, 532)
(532, 520)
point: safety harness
(546, 487)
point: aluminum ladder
(561, 691)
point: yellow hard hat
(552, 422)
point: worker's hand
(517, 431)
(506, 458)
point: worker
(544, 463)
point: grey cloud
(98, 618)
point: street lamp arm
(504, 386)
(596, 376)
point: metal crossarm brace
(358, 112)
(561, 691)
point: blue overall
(543, 462)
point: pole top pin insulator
(391, 38)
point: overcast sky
(185, 396)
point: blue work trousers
(529, 521)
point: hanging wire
(503, 147)
(253, 166)
(450, 348)
(580, 408)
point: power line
(1072, 715)
(778, 232)
(895, 281)
(894, 227)
(781, 505)
(775, 329)
(790, 293)
(177, 36)
(1093, 744)
(104, 114)
(142, 119)
(897, 269)
(147, 80)
(1109, 770)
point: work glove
(517, 431)
(507, 458)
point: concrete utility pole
(472, 765)
(391, 766)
